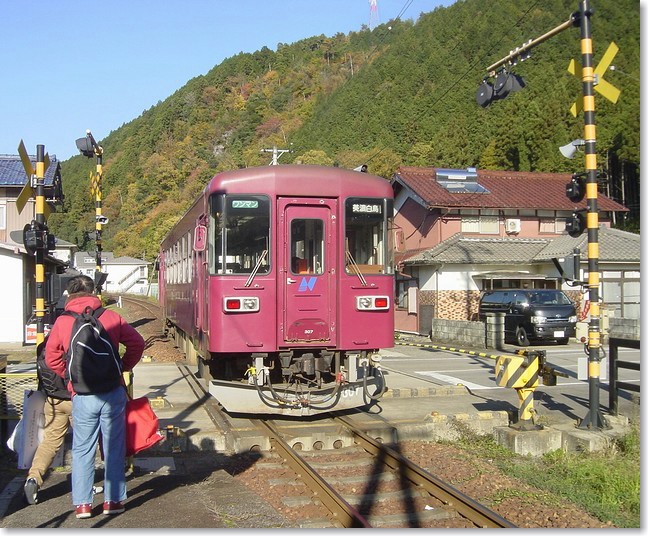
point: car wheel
(521, 337)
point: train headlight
(239, 304)
(372, 303)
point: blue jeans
(103, 412)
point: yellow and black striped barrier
(448, 349)
(521, 373)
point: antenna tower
(374, 16)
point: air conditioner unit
(512, 225)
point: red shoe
(83, 511)
(113, 507)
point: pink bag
(141, 426)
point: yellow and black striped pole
(594, 419)
(41, 244)
(89, 148)
(98, 216)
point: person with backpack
(83, 347)
(58, 415)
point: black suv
(539, 314)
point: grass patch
(606, 483)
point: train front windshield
(240, 238)
(368, 248)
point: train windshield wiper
(256, 268)
(355, 267)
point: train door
(198, 280)
(307, 286)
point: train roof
(299, 180)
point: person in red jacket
(95, 412)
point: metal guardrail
(614, 345)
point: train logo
(307, 283)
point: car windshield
(543, 297)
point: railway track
(366, 485)
(152, 308)
(372, 485)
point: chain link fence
(12, 394)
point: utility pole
(276, 154)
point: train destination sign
(245, 203)
(366, 208)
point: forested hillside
(403, 93)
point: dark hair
(81, 284)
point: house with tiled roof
(17, 266)
(459, 232)
(12, 180)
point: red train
(278, 283)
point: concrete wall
(625, 328)
(458, 332)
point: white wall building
(125, 274)
(13, 313)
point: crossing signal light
(36, 236)
(32, 238)
(575, 188)
(575, 224)
(505, 83)
(85, 147)
(50, 241)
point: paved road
(571, 394)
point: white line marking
(453, 380)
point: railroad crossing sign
(601, 85)
(28, 191)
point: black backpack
(48, 381)
(93, 362)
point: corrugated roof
(12, 172)
(614, 246)
(505, 190)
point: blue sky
(72, 65)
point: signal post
(594, 418)
(35, 235)
(89, 148)
(41, 244)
